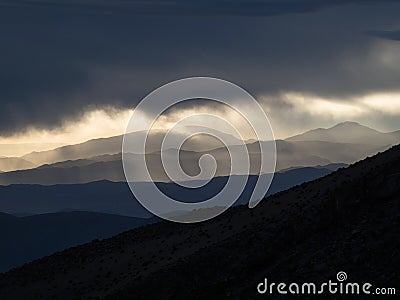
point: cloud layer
(62, 59)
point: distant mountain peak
(347, 132)
(350, 124)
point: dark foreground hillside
(347, 221)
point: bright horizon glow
(94, 124)
(385, 103)
(296, 113)
(101, 123)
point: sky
(75, 70)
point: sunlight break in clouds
(388, 103)
(329, 108)
(94, 124)
(292, 113)
(102, 123)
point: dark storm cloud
(386, 34)
(188, 7)
(60, 59)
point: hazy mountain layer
(109, 167)
(344, 143)
(113, 145)
(348, 132)
(15, 163)
(25, 148)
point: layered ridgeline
(116, 198)
(346, 221)
(100, 159)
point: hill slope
(347, 221)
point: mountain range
(100, 159)
(113, 145)
(88, 179)
(346, 221)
